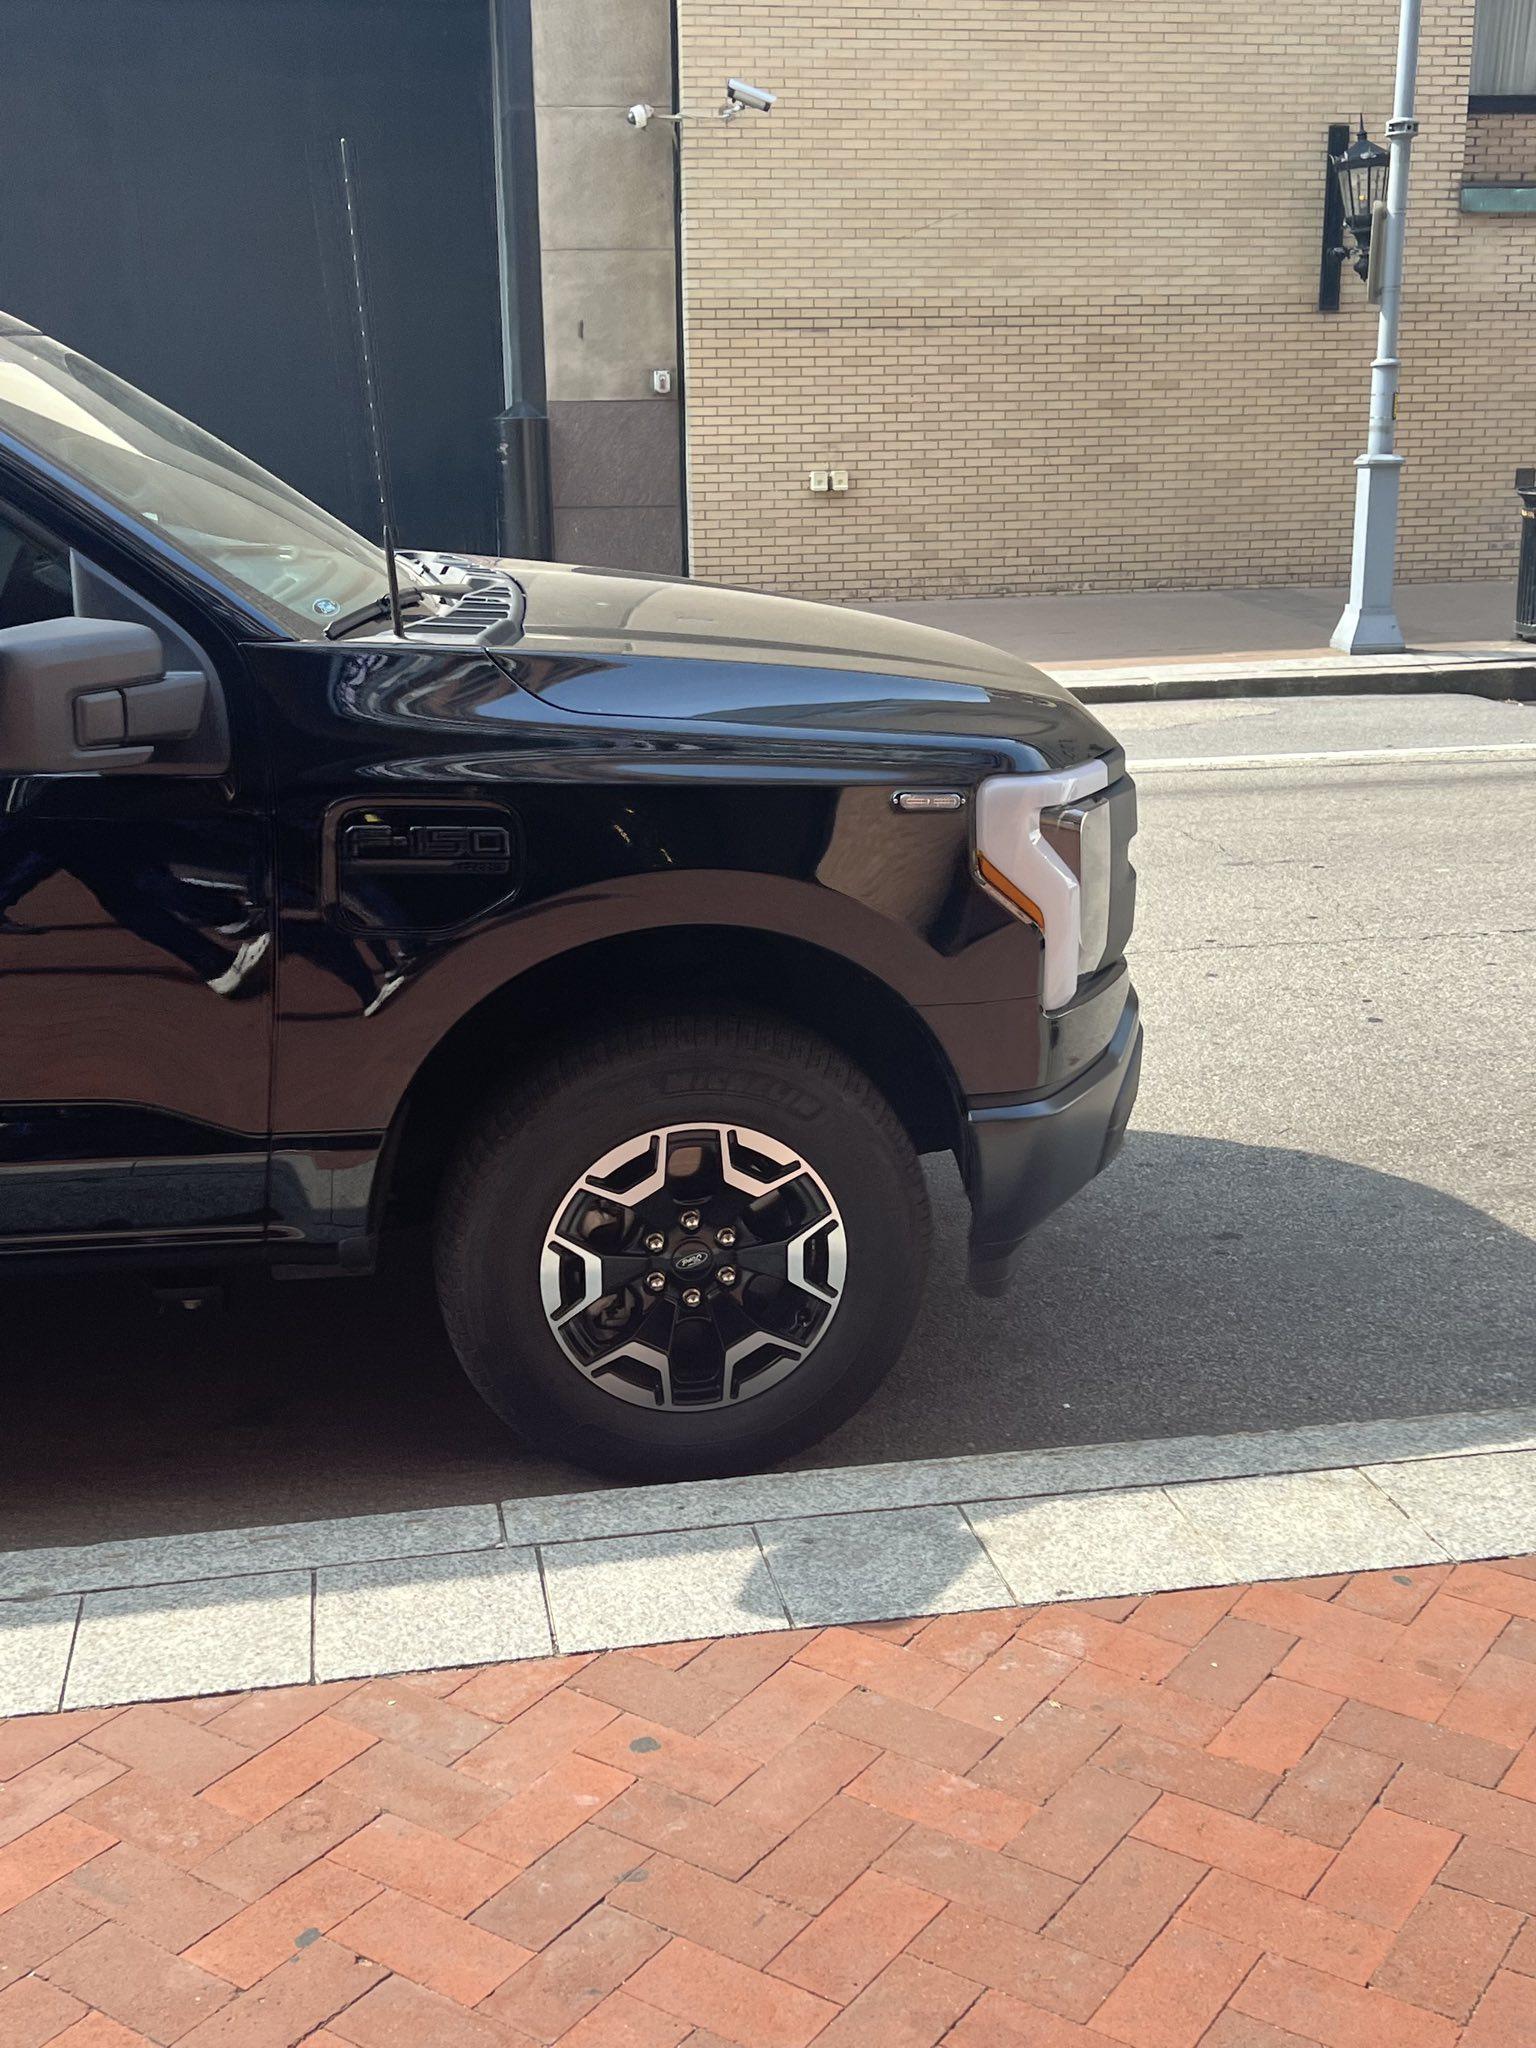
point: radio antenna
(351, 200)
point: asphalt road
(1326, 1208)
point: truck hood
(612, 646)
(774, 676)
(601, 611)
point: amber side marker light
(996, 879)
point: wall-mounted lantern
(1361, 171)
(1354, 201)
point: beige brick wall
(1501, 149)
(1042, 276)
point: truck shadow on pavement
(1198, 1287)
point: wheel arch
(635, 974)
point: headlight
(1080, 834)
(1043, 844)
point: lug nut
(725, 1238)
(691, 1297)
(727, 1276)
(689, 1219)
(655, 1242)
(655, 1282)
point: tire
(835, 1142)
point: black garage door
(169, 205)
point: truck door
(135, 969)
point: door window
(34, 576)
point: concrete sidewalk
(107, 1624)
(1209, 643)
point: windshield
(260, 535)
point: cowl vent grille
(476, 612)
(475, 601)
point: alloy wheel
(693, 1266)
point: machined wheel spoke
(738, 1167)
(602, 1275)
(824, 1240)
(789, 1258)
(693, 1266)
(638, 1369)
(646, 1356)
(775, 1356)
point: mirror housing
(80, 696)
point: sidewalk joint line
(549, 1612)
(1203, 1537)
(69, 1654)
(778, 1590)
(1413, 1522)
(996, 1563)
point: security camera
(739, 98)
(740, 94)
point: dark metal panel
(1333, 222)
(522, 438)
(169, 170)
(518, 173)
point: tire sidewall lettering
(777, 1089)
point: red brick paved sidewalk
(1242, 1818)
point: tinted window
(34, 577)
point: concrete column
(607, 226)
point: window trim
(1502, 103)
(41, 536)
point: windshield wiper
(378, 608)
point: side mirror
(78, 696)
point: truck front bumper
(1024, 1159)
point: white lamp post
(1369, 624)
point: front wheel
(683, 1249)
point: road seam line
(1360, 757)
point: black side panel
(111, 1171)
(127, 903)
(168, 170)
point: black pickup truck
(636, 934)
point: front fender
(618, 827)
(918, 925)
